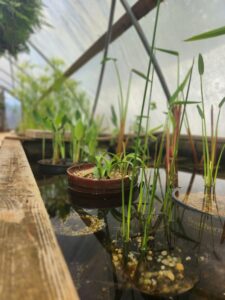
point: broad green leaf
(142, 75)
(200, 64)
(200, 112)
(206, 35)
(79, 130)
(64, 121)
(180, 87)
(171, 52)
(221, 102)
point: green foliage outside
(66, 99)
(18, 20)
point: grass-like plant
(211, 166)
(123, 101)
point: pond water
(186, 259)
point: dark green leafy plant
(18, 20)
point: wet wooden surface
(31, 264)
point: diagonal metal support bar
(147, 48)
(107, 41)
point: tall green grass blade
(218, 163)
(200, 111)
(222, 102)
(171, 52)
(180, 87)
(142, 75)
(206, 35)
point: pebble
(149, 258)
(169, 275)
(164, 253)
(188, 258)
(180, 267)
(115, 258)
(154, 282)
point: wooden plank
(31, 264)
(140, 9)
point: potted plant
(103, 182)
(58, 163)
(202, 201)
(211, 162)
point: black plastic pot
(200, 226)
(46, 167)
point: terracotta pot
(89, 192)
(45, 166)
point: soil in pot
(87, 191)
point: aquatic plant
(57, 122)
(211, 166)
(120, 122)
(83, 138)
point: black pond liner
(195, 221)
(46, 167)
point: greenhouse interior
(112, 149)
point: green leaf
(171, 52)
(108, 59)
(200, 111)
(64, 121)
(206, 35)
(142, 75)
(221, 102)
(180, 87)
(114, 116)
(79, 130)
(37, 117)
(200, 64)
(77, 115)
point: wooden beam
(140, 9)
(32, 265)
